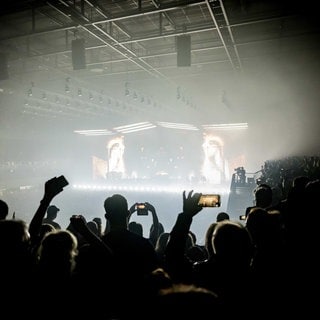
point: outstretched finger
(190, 194)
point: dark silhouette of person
(222, 216)
(56, 263)
(156, 228)
(178, 266)
(92, 225)
(134, 256)
(52, 213)
(183, 301)
(94, 265)
(136, 227)
(4, 210)
(98, 221)
(232, 251)
(161, 246)
(57, 254)
(15, 268)
(262, 197)
(268, 263)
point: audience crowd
(263, 266)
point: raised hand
(52, 188)
(79, 223)
(190, 203)
(150, 207)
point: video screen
(164, 155)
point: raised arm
(79, 223)
(52, 187)
(178, 265)
(154, 232)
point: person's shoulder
(249, 208)
(124, 239)
(56, 225)
(136, 237)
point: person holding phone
(143, 209)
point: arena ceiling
(131, 65)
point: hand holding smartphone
(54, 186)
(61, 182)
(141, 209)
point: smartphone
(61, 182)
(243, 217)
(210, 200)
(141, 209)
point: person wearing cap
(52, 212)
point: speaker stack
(78, 54)
(184, 51)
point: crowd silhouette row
(264, 266)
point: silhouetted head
(160, 226)
(232, 243)
(52, 212)
(186, 301)
(136, 228)
(312, 193)
(208, 238)
(162, 242)
(14, 252)
(222, 216)
(45, 228)
(263, 196)
(59, 247)
(116, 208)
(92, 225)
(4, 210)
(300, 182)
(14, 234)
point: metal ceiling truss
(221, 22)
(110, 30)
(138, 36)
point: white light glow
(174, 189)
(226, 126)
(97, 132)
(138, 129)
(181, 126)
